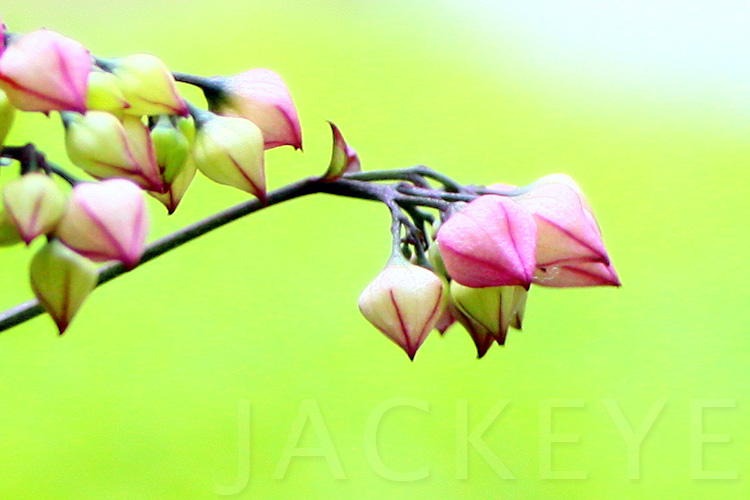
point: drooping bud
(106, 221)
(491, 242)
(230, 151)
(7, 114)
(174, 158)
(106, 147)
(567, 229)
(9, 235)
(343, 157)
(45, 71)
(404, 302)
(148, 85)
(494, 308)
(61, 280)
(35, 203)
(104, 93)
(261, 96)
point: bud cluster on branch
(460, 253)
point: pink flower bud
(567, 229)
(106, 221)
(106, 147)
(61, 280)
(230, 151)
(35, 203)
(569, 240)
(148, 86)
(404, 302)
(45, 71)
(343, 157)
(261, 96)
(491, 242)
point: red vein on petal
(105, 232)
(257, 191)
(58, 103)
(404, 331)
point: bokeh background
(644, 102)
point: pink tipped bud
(106, 147)
(61, 280)
(566, 227)
(261, 96)
(570, 249)
(343, 157)
(491, 242)
(7, 114)
(45, 71)
(230, 151)
(106, 221)
(148, 86)
(35, 203)
(404, 302)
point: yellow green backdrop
(211, 358)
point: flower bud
(569, 239)
(261, 96)
(9, 235)
(174, 158)
(106, 221)
(35, 203)
(61, 280)
(567, 229)
(230, 151)
(494, 308)
(104, 93)
(491, 242)
(7, 114)
(148, 85)
(343, 157)
(404, 302)
(45, 71)
(106, 147)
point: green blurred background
(644, 102)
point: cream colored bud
(35, 203)
(404, 302)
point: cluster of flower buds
(127, 127)
(484, 258)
